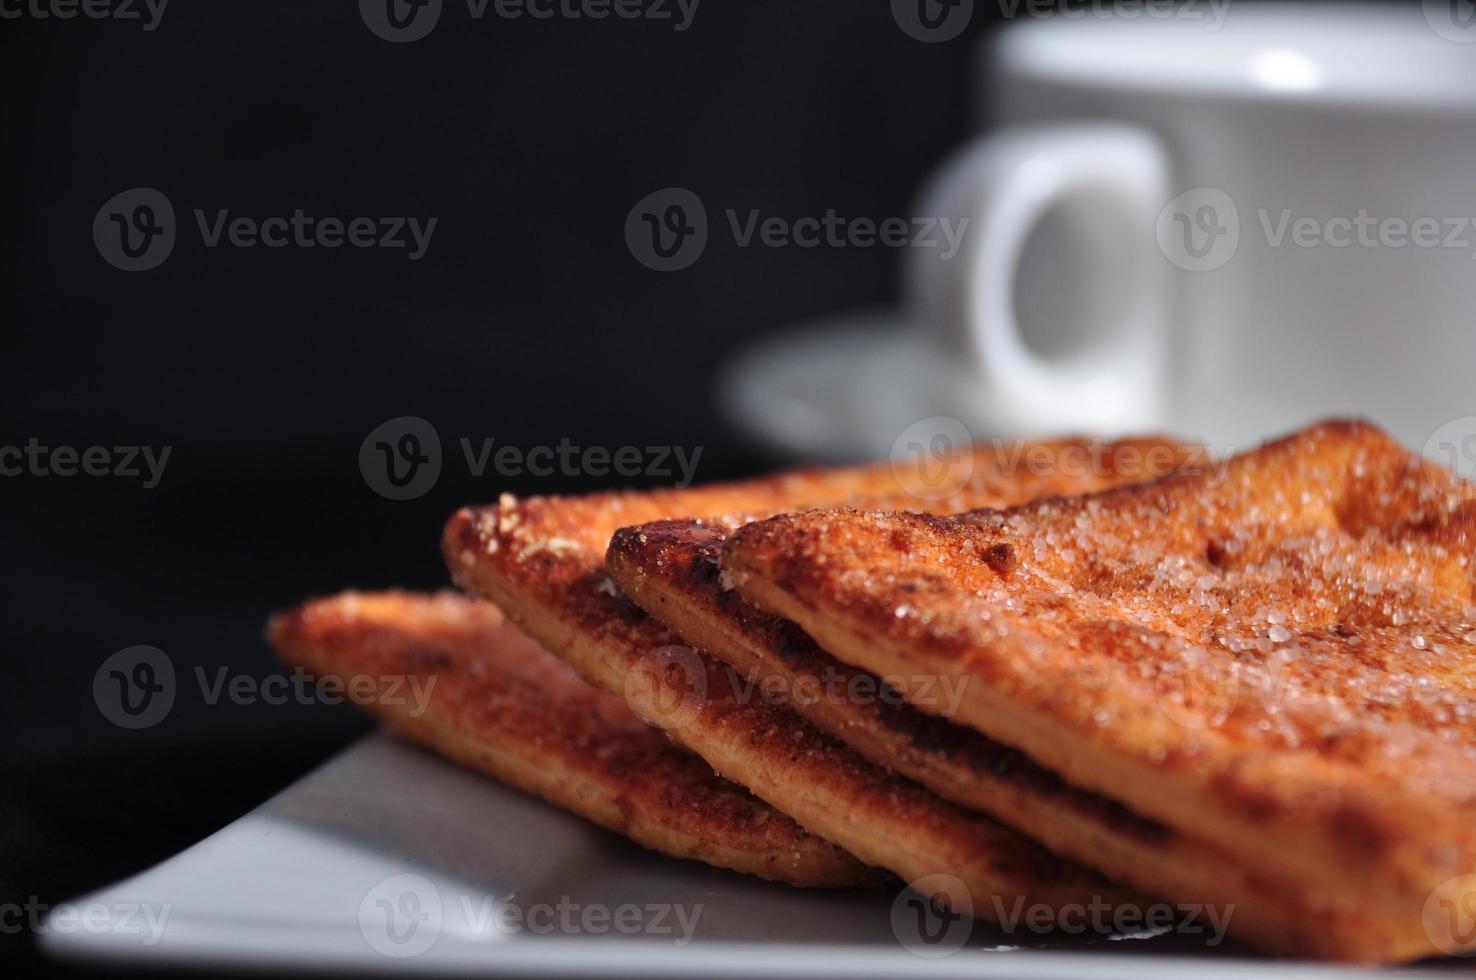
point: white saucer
(836, 389)
(389, 860)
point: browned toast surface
(671, 569)
(453, 674)
(1272, 657)
(542, 560)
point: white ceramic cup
(1223, 224)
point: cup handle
(1111, 180)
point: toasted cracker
(495, 702)
(542, 560)
(1272, 657)
(670, 568)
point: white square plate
(387, 859)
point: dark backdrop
(527, 320)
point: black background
(527, 321)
